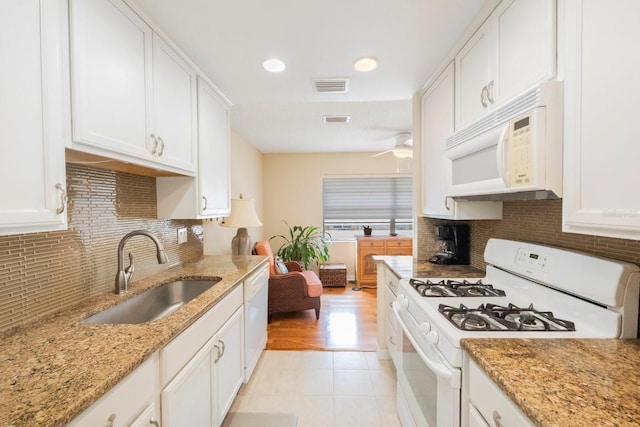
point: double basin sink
(153, 304)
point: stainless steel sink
(155, 303)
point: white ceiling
(229, 40)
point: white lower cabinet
(204, 390)
(148, 417)
(389, 336)
(192, 381)
(132, 402)
(188, 399)
(32, 130)
(199, 390)
(228, 366)
(484, 404)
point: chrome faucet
(124, 274)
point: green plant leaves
(305, 245)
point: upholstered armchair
(295, 290)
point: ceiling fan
(403, 147)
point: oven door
(430, 386)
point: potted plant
(305, 245)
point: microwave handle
(501, 153)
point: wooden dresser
(367, 247)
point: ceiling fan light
(403, 153)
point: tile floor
(325, 389)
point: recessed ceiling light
(274, 65)
(366, 64)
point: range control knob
(425, 327)
(432, 337)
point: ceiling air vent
(336, 85)
(336, 119)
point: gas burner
(455, 288)
(493, 317)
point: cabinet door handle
(223, 348)
(446, 204)
(154, 422)
(392, 341)
(219, 354)
(161, 152)
(206, 203)
(63, 198)
(490, 92)
(154, 147)
(497, 419)
(483, 97)
(110, 420)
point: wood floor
(347, 322)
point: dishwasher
(256, 288)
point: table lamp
(243, 215)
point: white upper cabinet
(473, 77)
(110, 77)
(207, 195)
(513, 50)
(601, 172)
(32, 130)
(117, 69)
(174, 99)
(215, 152)
(436, 125)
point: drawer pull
(497, 419)
(154, 422)
(110, 420)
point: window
(383, 203)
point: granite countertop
(53, 369)
(404, 266)
(563, 382)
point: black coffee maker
(453, 245)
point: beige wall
(292, 186)
(246, 178)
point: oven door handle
(438, 368)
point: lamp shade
(243, 214)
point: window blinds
(368, 198)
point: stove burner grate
(455, 288)
(493, 317)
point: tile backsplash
(536, 221)
(45, 272)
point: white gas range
(530, 291)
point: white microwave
(513, 153)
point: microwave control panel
(521, 152)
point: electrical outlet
(182, 235)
